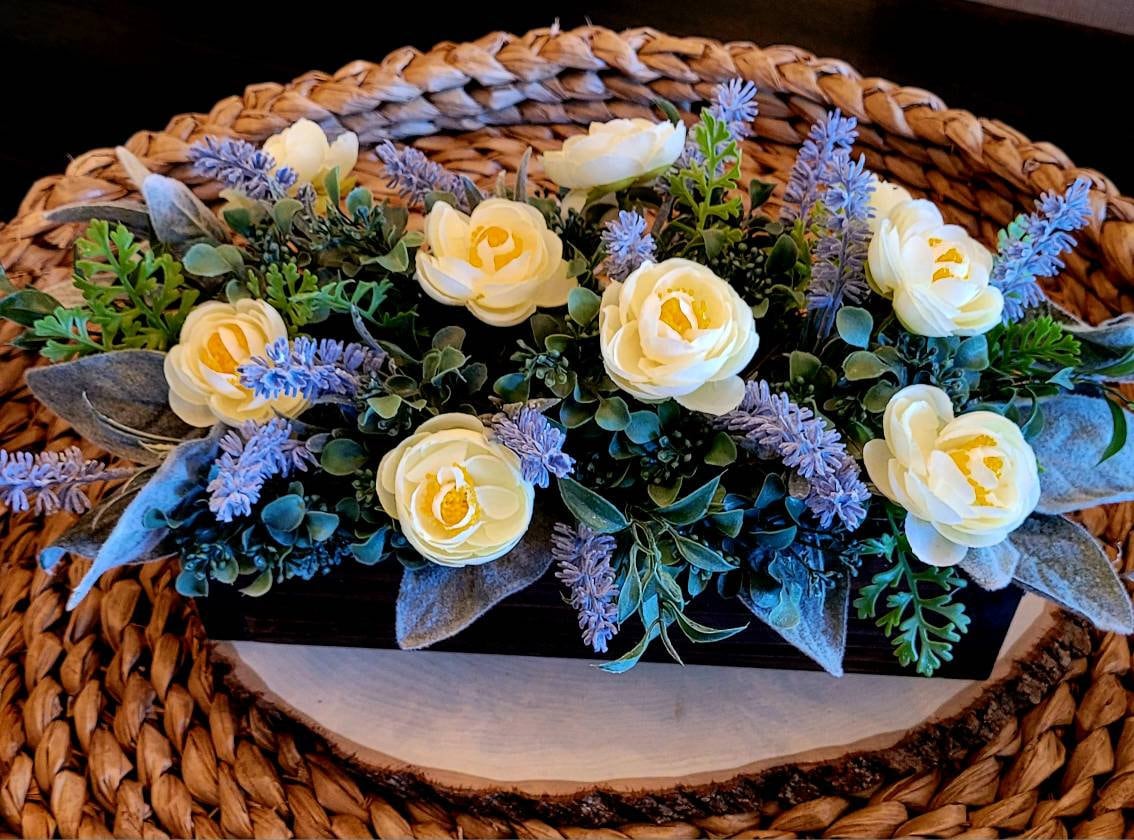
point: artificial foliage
(767, 501)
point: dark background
(79, 75)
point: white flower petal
(929, 546)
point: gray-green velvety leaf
(130, 213)
(179, 218)
(437, 602)
(130, 541)
(1075, 432)
(1103, 343)
(821, 632)
(1062, 562)
(991, 568)
(127, 386)
(86, 536)
(135, 169)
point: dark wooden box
(354, 606)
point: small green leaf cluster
(133, 298)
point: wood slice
(558, 727)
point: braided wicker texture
(112, 718)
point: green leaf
(862, 364)
(722, 451)
(513, 387)
(878, 397)
(629, 659)
(573, 414)
(854, 325)
(591, 509)
(699, 633)
(777, 539)
(321, 525)
(783, 255)
(342, 456)
(284, 514)
(630, 595)
(663, 494)
(582, 305)
(1118, 430)
(759, 192)
(385, 407)
(208, 261)
(371, 550)
(693, 507)
(973, 353)
(612, 415)
(397, 260)
(702, 556)
(729, 522)
(668, 110)
(284, 212)
(190, 585)
(358, 199)
(259, 586)
(643, 427)
(26, 306)
(452, 337)
(802, 366)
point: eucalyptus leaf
(126, 387)
(591, 509)
(437, 602)
(343, 456)
(130, 541)
(1061, 561)
(582, 305)
(643, 427)
(722, 451)
(612, 414)
(821, 631)
(862, 364)
(854, 325)
(1068, 448)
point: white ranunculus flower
(459, 497)
(937, 275)
(883, 199)
(201, 369)
(675, 329)
(967, 481)
(500, 262)
(304, 148)
(615, 154)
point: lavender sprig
(52, 481)
(584, 566)
(839, 275)
(241, 166)
(415, 176)
(309, 369)
(538, 443)
(813, 164)
(1031, 246)
(734, 103)
(627, 244)
(775, 427)
(249, 457)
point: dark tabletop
(79, 75)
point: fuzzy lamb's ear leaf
(1075, 432)
(821, 631)
(436, 602)
(135, 169)
(1062, 562)
(991, 568)
(130, 213)
(116, 400)
(86, 536)
(130, 540)
(179, 218)
(1106, 347)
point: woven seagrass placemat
(114, 719)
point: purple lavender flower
(309, 368)
(584, 566)
(249, 457)
(812, 164)
(1031, 246)
(538, 443)
(734, 103)
(775, 427)
(241, 166)
(627, 244)
(54, 481)
(415, 176)
(838, 275)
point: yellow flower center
(965, 457)
(451, 498)
(455, 506)
(494, 237)
(950, 261)
(680, 310)
(220, 359)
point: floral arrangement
(643, 379)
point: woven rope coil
(112, 719)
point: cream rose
(937, 275)
(675, 329)
(304, 148)
(967, 482)
(201, 369)
(459, 498)
(884, 198)
(500, 263)
(615, 154)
